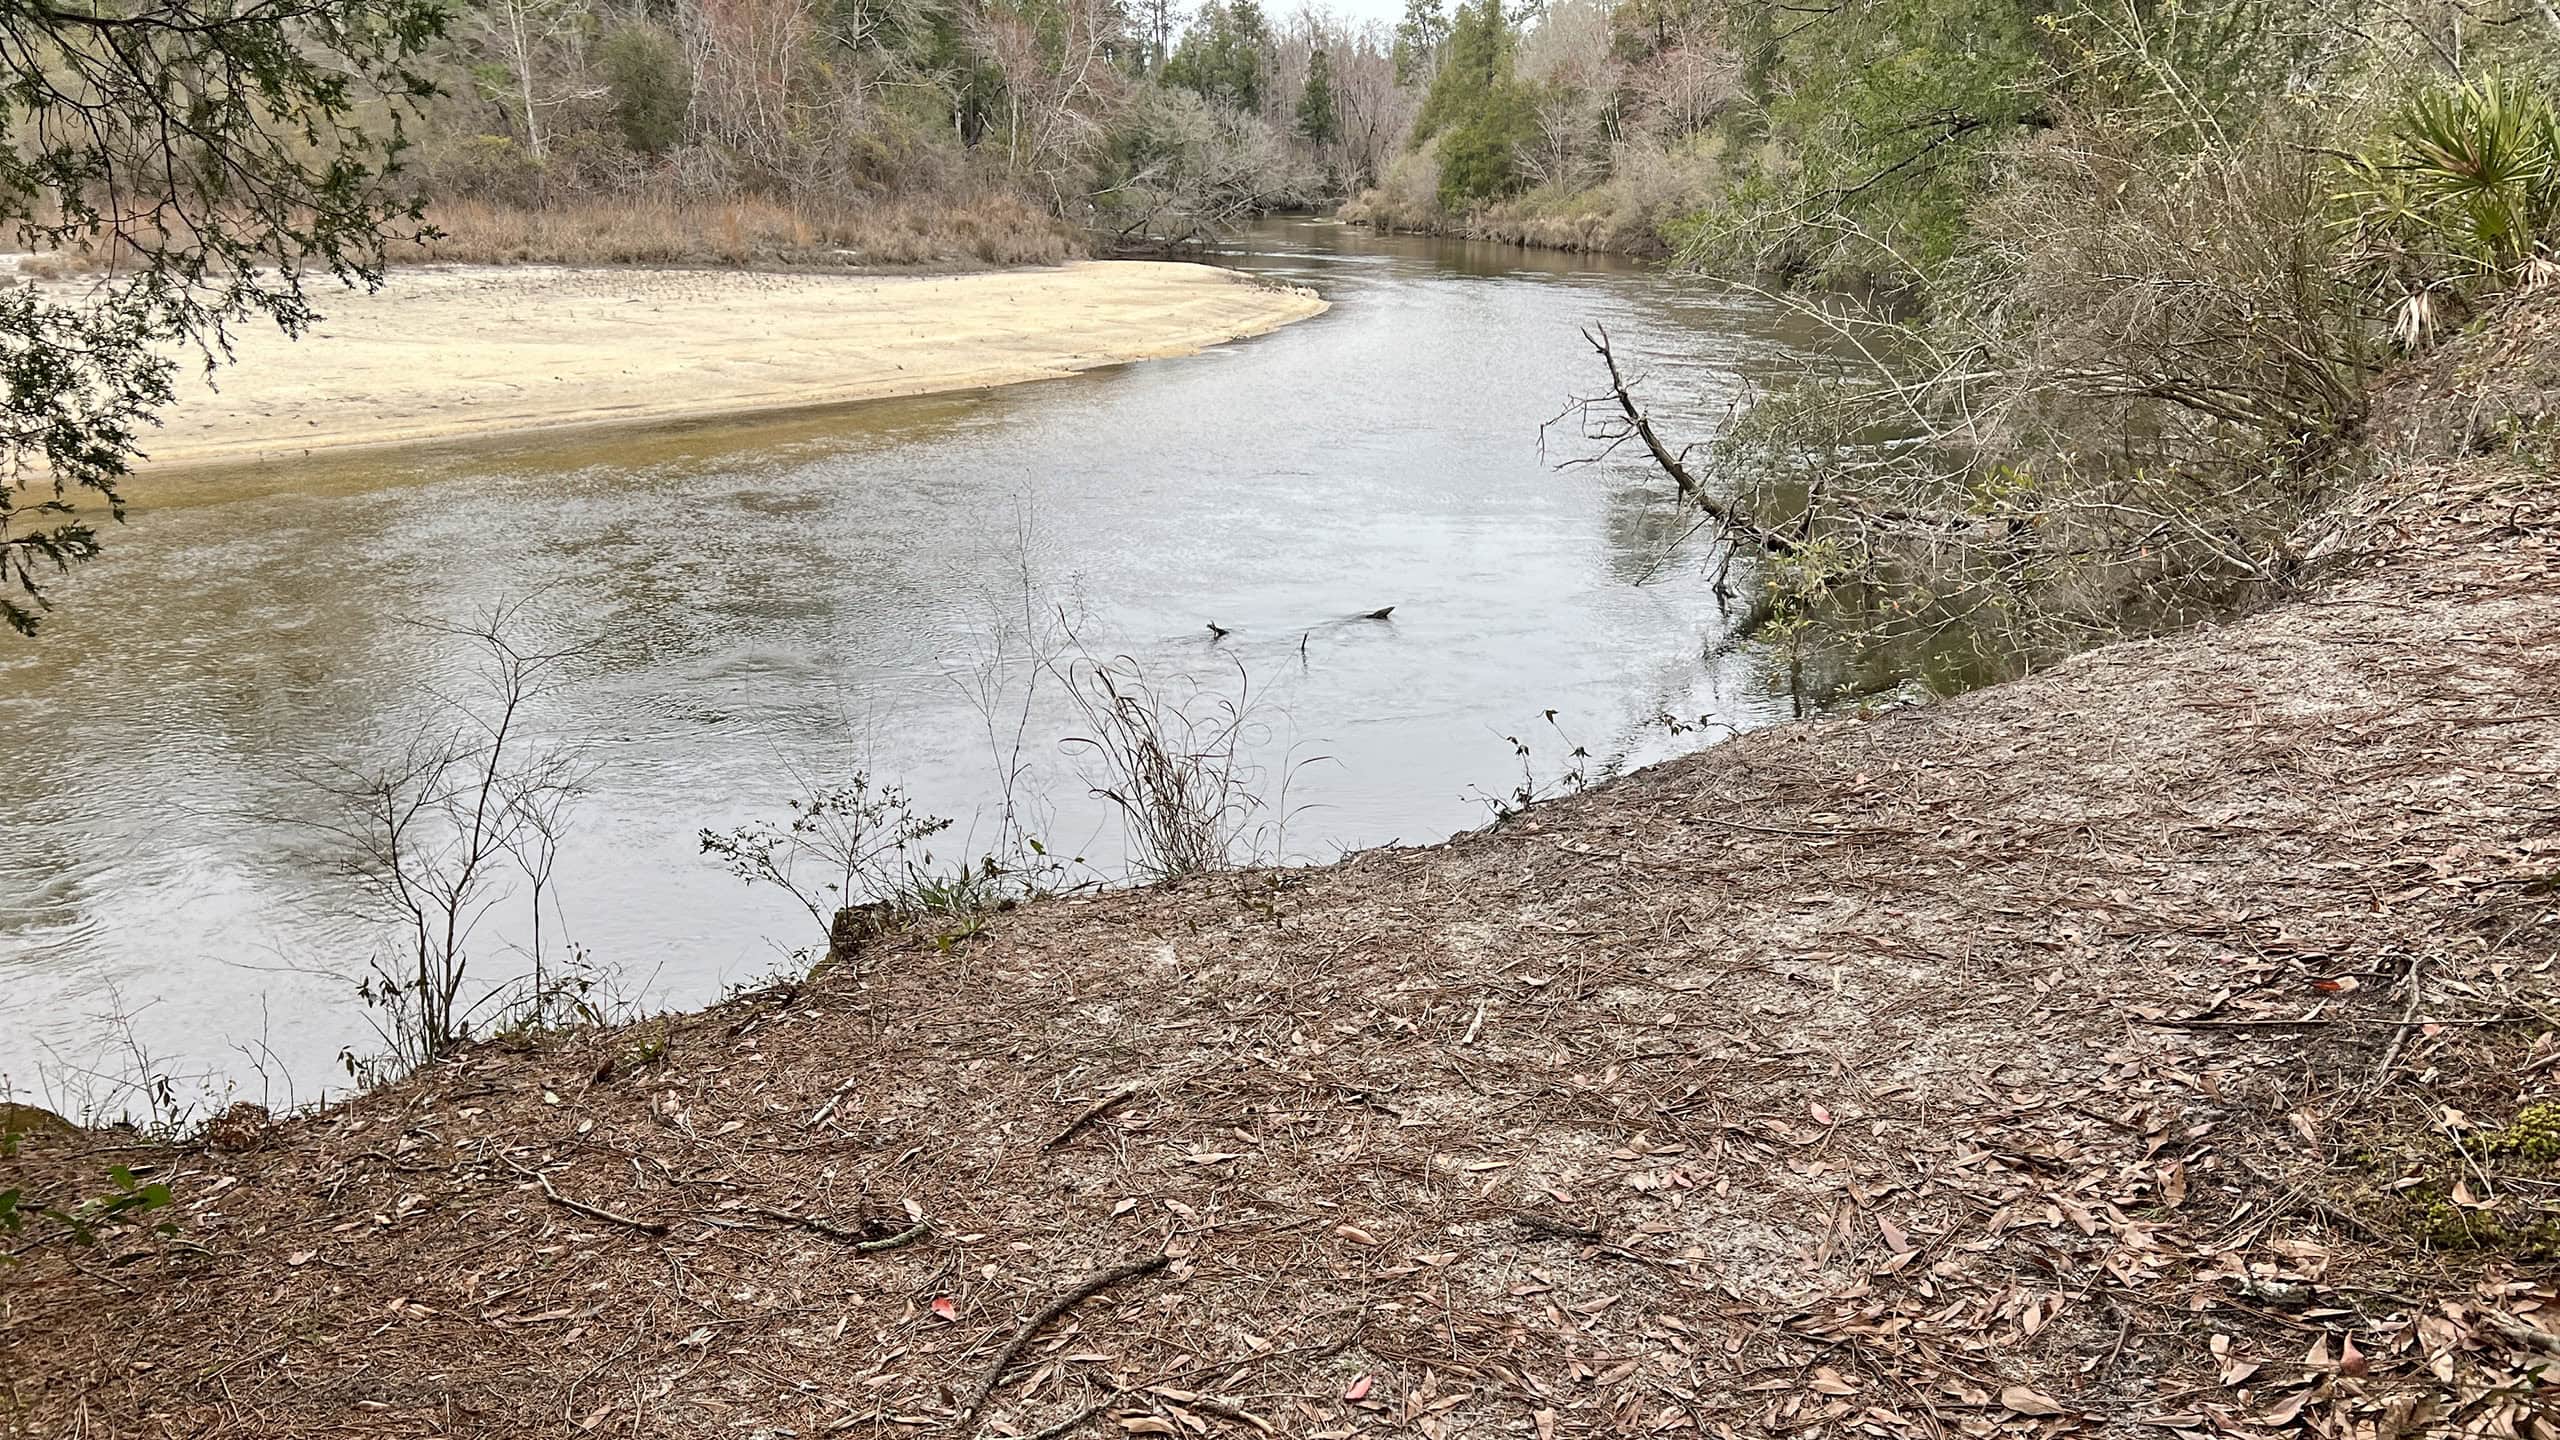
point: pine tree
(1418, 38)
(1481, 115)
(1318, 120)
(1222, 55)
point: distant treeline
(893, 130)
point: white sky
(1362, 11)
(1354, 12)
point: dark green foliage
(2459, 201)
(1475, 62)
(1224, 56)
(2139, 285)
(651, 93)
(1481, 115)
(125, 1198)
(1480, 157)
(1889, 113)
(1319, 119)
(225, 155)
(1419, 36)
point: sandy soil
(447, 353)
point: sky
(1357, 12)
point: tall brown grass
(992, 228)
(931, 231)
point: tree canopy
(1220, 58)
(213, 157)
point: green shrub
(1480, 157)
(645, 76)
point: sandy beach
(450, 353)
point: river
(751, 607)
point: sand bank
(451, 353)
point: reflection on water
(752, 602)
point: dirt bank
(451, 352)
(2150, 1047)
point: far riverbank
(445, 353)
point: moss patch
(2439, 1211)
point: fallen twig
(2399, 1035)
(1092, 1113)
(2532, 1337)
(597, 1212)
(833, 1231)
(1091, 1285)
(823, 1112)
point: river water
(754, 607)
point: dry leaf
(1358, 1389)
(2019, 1400)
(2284, 1414)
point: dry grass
(1977, 1068)
(989, 229)
(935, 231)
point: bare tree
(1157, 20)
(1375, 111)
(761, 89)
(541, 45)
(1058, 79)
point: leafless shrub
(440, 830)
(2119, 410)
(1059, 83)
(1192, 173)
(540, 50)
